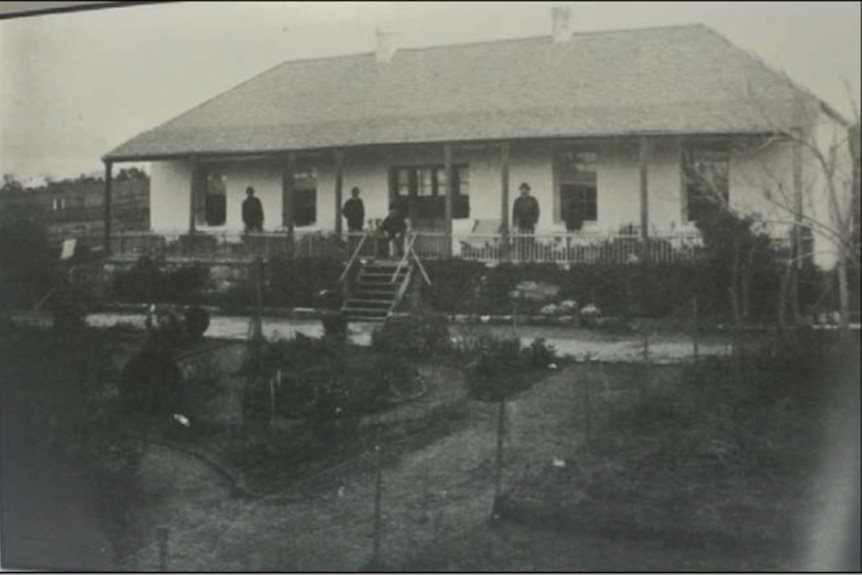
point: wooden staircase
(377, 290)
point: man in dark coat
(525, 213)
(252, 212)
(354, 212)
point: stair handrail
(402, 289)
(353, 258)
(403, 261)
(421, 267)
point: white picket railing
(561, 248)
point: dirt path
(576, 342)
(433, 492)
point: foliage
(329, 382)
(498, 368)
(67, 416)
(652, 290)
(417, 335)
(298, 282)
(26, 258)
(540, 353)
(11, 184)
(132, 173)
(197, 321)
(147, 282)
(334, 325)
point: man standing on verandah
(354, 212)
(525, 214)
(252, 212)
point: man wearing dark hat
(525, 214)
(252, 212)
(354, 211)
(526, 211)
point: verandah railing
(578, 248)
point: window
(577, 180)
(58, 204)
(305, 198)
(210, 197)
(706, 178)
(421, 191)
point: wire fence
(405, 492)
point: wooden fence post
(498, 475)
(696, 326)
(378, 495)
(163, 534)
(588, 414)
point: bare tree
(815, 197)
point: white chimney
(562, 29)
(385, 47)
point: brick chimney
(385, 47)
(561, 17)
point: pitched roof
(685, 79)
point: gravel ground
(576, 342)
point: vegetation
(147, 282)
(26, 258)
(421, 335)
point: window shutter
(199, 186)
(555, 183)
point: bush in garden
(419, 335)
(334, 325)
(147, 282)
(298, 282)
(498, 369)
(540, 353)
(197, 321)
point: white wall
(755, 171)
(170, 183)
(171, 186)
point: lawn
(715, 466)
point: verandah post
(287, 200)
(339, 189)
(504, 187)
(107, 205)
(643, 164)
(450, 195)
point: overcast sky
(74, 86)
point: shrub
(335, 325)
(146, 282)
(540, 353)
(497, 370)
(298, 282)
(197, 321)
(417, 335)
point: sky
(73, 86)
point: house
(637, 132)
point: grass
(706, 467)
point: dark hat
(524, 186)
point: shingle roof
(685, 79)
